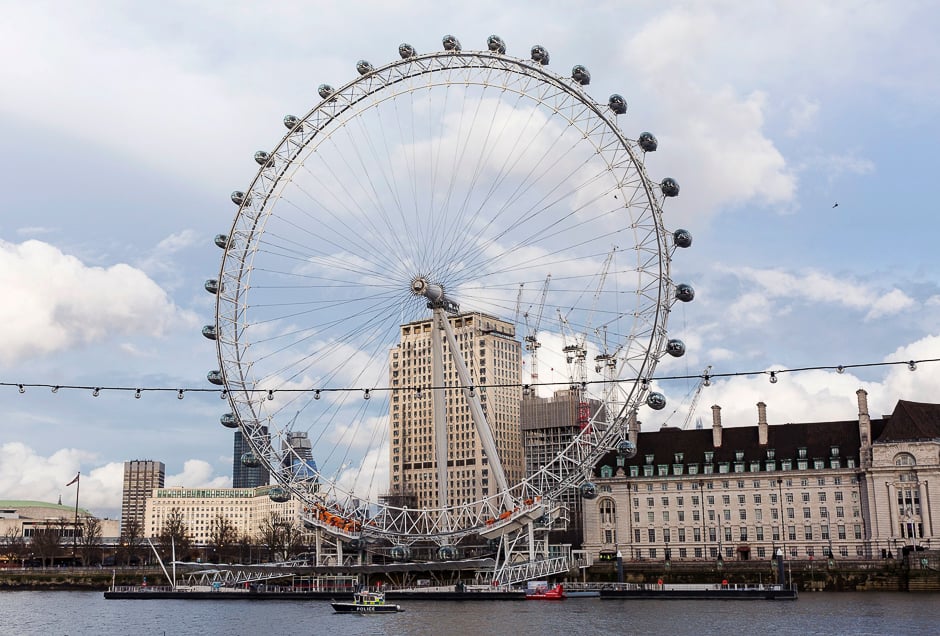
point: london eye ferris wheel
(442, 185)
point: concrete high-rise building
(141, 476)
(548, 427)
(246, 476)
(494, 359)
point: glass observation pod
(250, 460)
(229, 420)
(215, 377)
(278, 494)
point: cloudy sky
(124, 127)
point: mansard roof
(911, 421)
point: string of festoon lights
(705, 378)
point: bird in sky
(836, 204)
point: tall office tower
(297, 457)
(244, 476)
(493, 356)
(141, 476)
(548, 427)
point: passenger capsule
(215, 377)
(588, 490)
(656, 401)
(496, 44)
(648, 142)
(684, 292)
(221, 240)
(240, 198)
(262, 158)
(406, 51)
(324, 90)
(209, 332)
(212, 286)
(447, 553)
(278, 494)
(626, 449)
(682, 238)
(617, 104)
(670, 187)
(292, 121)
(675, 348)
(401, 553)
(450, 43)
(581, 75)
(229, 420)
(250, 460)
(364, 67)
(540, 54)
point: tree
(89, 540)
(174, 536)
(282, 538)
(132, 539)
(47, 540)
(14, 545)
(223, 536)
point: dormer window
(770, 453)
(834, 451)
(678, 457)
(709, 457)
(739, 455)
(801, 453)
(649, 459)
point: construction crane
(532, 343)
(698, 392)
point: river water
(88, 613)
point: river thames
(24, 613)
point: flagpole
(78, 485)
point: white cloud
(26, 475)
(820, 287)
(803, 114)
(198, 474)
(53, 301)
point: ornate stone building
(857, 489)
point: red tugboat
(544, 593)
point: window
(805, 497)
(808, 532)
(728, 534)
(651, 516)
(791, 533)
(740, 500)
(757, 499)
(738, 455)
(709, 457)
(760, 533)
(665, 516)
(858, 531)
(841, 531)
(681, 535)
(649, 502)
(665, 501)
(822, 496)
(742, 513)
(681, 515)
(634, 471)
(904, 459)
(726, 500)
(840, 512)
(636, 535)
(839, 495)
(789, 497)
(807, 513)
(743, 533)
(608, 511)
(801, 453)
(651, 534)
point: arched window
(904, 459)
(608, 511)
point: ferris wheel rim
(264, 184)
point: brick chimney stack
(762, 424)
(864, 428)
(716, 426)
